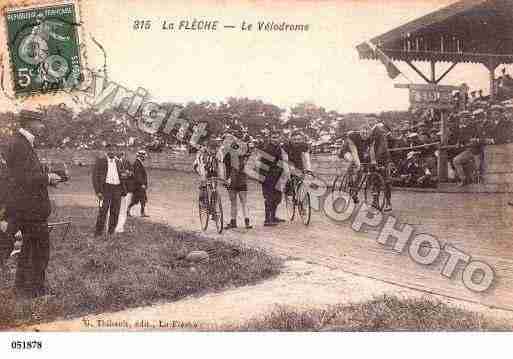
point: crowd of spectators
(475, 121)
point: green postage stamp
(44, 49)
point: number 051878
(26, 345)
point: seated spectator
(506, 78)
(413, 139)
(410, 170)
(423, 134)
(503, 126)
(487, 125)
(155, 146)
(428, 177)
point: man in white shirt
(109, 189)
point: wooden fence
(497, 177)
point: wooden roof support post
(491, 66)
(443, 160)
(433, 72)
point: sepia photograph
(330, 166)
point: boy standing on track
(234, 153)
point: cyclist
(206, 166)
(298, 152)
(369, 145)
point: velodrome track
(480, 225)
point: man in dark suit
(272, 171)
(140, 183)
(109, 188)
(28, 206)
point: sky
(320, 65)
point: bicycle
(370, 181)
(297, 196)
(210, 205)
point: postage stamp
(43, 44)
(255, 166)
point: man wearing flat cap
(28, 205)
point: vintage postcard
(234, 166)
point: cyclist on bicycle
(298, 152)
(368, 145)
(298, 160)
(206, 165)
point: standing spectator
(234, 154)
(271, 170)
(463, 96)
(126, 177)
(28, 205)
(473, 97)
(140, 183)
(470, 136)
(109, 189)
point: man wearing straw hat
(140, 180)
(28, 205)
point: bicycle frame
(210, 202)
(299, 194)
(365, 170)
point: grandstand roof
(473, 31)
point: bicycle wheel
(203, 211)
(374, 191)
(304, 205)
(289, 203)
(217, 215)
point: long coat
(140, 176)
(28, 199)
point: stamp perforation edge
(8, 74)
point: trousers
(33, 258)
(272, 199)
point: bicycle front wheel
(304, 205)
(374, 189)
(289, 203)
(203, 212)
(217, 215)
